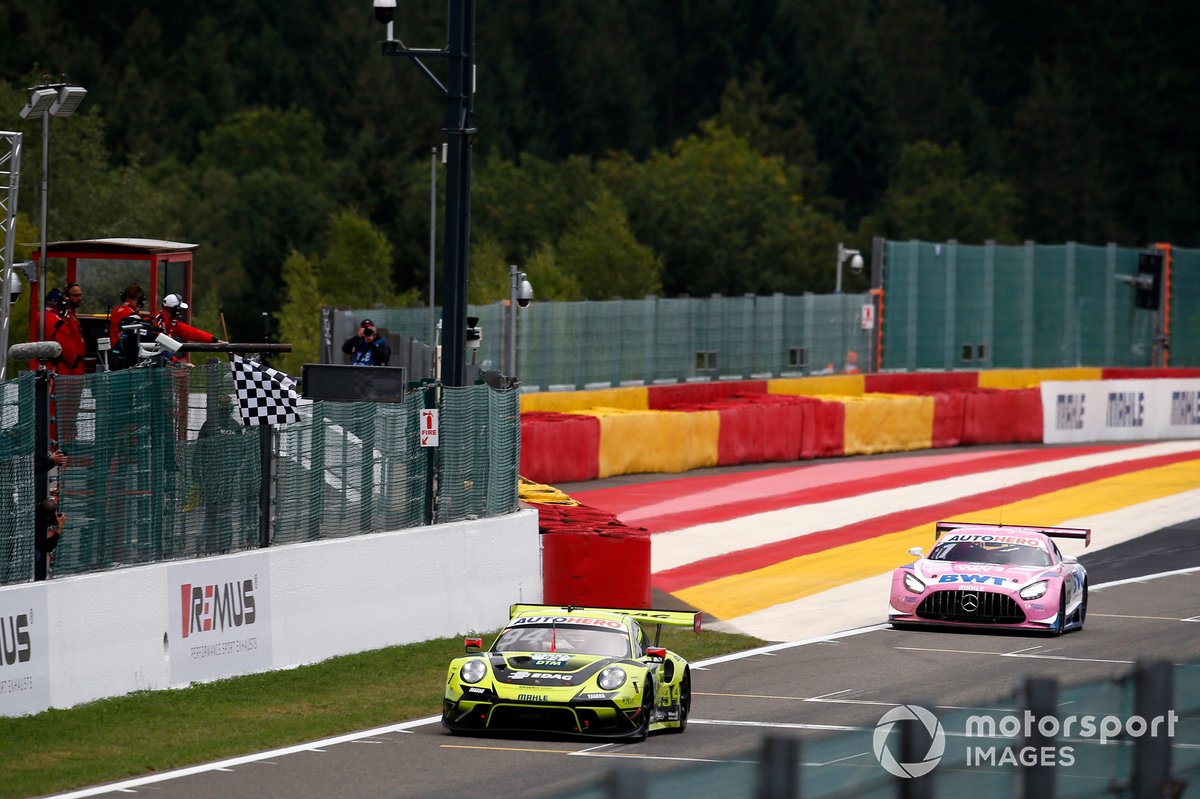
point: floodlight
(39, 103)
(69, 98)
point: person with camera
(367, 347)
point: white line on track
(1007, 654)
(127, 786)
(783, 725)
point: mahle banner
(1120, 410)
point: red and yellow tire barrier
(590, 558)
(633, 442)
(1032, 378)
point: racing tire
(643, 729)
(685, 701)
(1060, 626)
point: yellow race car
(578, 671)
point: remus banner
(24, 651)
(220, 618)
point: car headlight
(472, 671)
(611, 678)
(912, 583)
(1034, 590)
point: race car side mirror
(916, 552)
(473, 645)
(657, 652)
(1070, 559)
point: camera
(856, 263)
(524, 292)
(385, 11)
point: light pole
(520, 294)
(856, 264)
(460, 131)
(45, 101)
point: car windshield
(570, 638)
(987, 552)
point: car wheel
(1061, 625)
(685, 701)
(643, 728)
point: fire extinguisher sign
(429, 427)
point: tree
(933, 198)
(299, 319)
(602, 255)
(724, 217)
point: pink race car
(995, 576)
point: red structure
(103, 267)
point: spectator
(367, 347)
(49, 521)
(216, 452)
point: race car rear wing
(1054, 532)
(673, 618)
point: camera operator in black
(367, 347)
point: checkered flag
(265, 396)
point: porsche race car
(995, 576)
(579, 671)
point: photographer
(367, 347)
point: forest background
(624, 148)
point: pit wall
(587, 435)
(76, 639)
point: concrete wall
(77, 639)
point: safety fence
(160, 467)
(944, 306)
(1137, 735)
(577, 345)
(958, 306)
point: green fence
(955, 306)
(160, 467)
(575, 345)
(939, 306)
(16, 485)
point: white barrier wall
(77, 639)
(1120, 410)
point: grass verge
(153, 731)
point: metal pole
(432, 243)
(509, 365)
(626, 782)
(458, 191)
(1041, 701)
(265, 441)
(1153, 690)
(779, 768)
(8, 204)
(42, 253)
